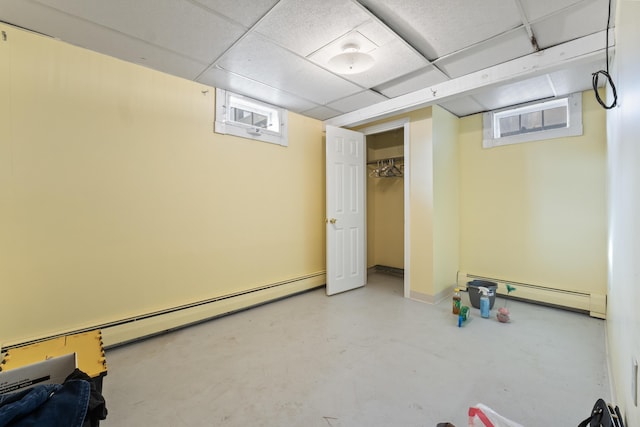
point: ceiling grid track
(527, 26)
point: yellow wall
(446, 171)
(385, 204)
(434, 203)
(535, 212)
(434, 230)
(421, 204)
(117, 199)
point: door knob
(332, 220)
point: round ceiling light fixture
(351, 60)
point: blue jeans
(48, 405)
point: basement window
(248, 118)
(536, 121)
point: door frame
(384, 127)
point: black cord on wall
(595, 76)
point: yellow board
(86, 345)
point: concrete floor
(367, 357)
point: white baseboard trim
(122, 331)
(138, 329)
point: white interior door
(346, 232)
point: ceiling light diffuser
(351, 60)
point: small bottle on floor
(456, 301)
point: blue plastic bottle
(485, 303)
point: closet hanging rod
(375, 162)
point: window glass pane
(242, 110)
(241, 116)
(251, 118)
(531, 121)
(555, 117)
(509, 125)
(260, 120)
(534, 121)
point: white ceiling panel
(97, 38)
(304, 26)
(259, 60)
(440, 27)
(147, 20)
(463, 106)
(253, 89)
(576, 79)
(392, 56)
(516, 93)
(357, 101)
(536, 9)
(496, 51)
(323, 56)
(572, 24)
(411, 82)
(390, 61)
(244, 12)
(379, 33)
(321, 113)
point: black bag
(603, 415)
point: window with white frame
(536, 121)
(248, 118)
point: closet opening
(385, 206)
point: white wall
(623, 127)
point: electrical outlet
(634, 381)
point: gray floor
(363, 358)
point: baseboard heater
(593, 304)
(145, 325)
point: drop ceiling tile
(257, 59)
(464, 106)
(357, 101)
(253, 89)
(572, 24)
(304, 26)
(190, 31)
(336, 47)
(411, 82)
(82, 33)
(378, 33)
(390, 61)
(578, 77)
(245, 12)
(321, 113)
(392, 56)
(516, 93)
(536, 9)
(496, 51)
(440, 27)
